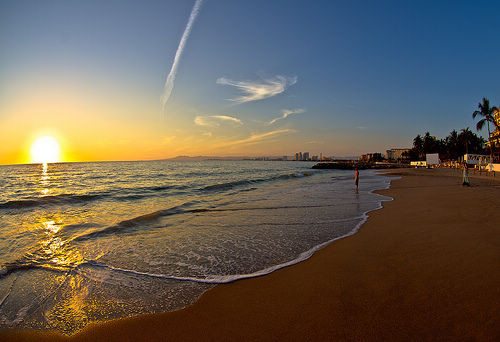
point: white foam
(224, 279)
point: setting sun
(45, 150)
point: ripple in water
(87, 242)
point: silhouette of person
(465, 176)
(356, 178)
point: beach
(425, 267)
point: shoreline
(392, 280)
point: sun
(45, 150)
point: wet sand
(424, 268)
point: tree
(452, 145)
(465, 138)
(430, 145)
(418, 146)
(487, 113)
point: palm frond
(480, 124)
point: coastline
(423, 268)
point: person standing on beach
(465, 176)
(356, 178)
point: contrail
(169, 83)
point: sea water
(87, 242)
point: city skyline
(123, 80)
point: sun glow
(45, 150)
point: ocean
(88, 242)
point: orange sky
(140, 82)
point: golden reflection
(51, 226)
(71, 313)
(54, 249)
(44, 180)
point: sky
(140, 80)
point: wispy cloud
(286, 113)
(215, 120)
(169, 83)
(254, 138)
(255, 90)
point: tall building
(305, 156)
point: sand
(424, 268)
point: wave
(25, 264)
(137, 193)
(224, 279)
(15, 267)
(233, 184)
(140, 222)
(136, 222)
(62, 199)
(51, 200)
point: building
(371, 157)
(302, 156)
(396, 153)
(495, 135)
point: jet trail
(169, 83)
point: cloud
(287, 113)
(215, 120)
(257, 137)
(169, 83)
(254, 90)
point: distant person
(465, 175)
(356, 178)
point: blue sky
(344, 77)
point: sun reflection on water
(55, 250)
(44, 180)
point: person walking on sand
(465, 176)
(356, 178)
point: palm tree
(487, 113)
(466, 136)
(452, 145)
(418, 146)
